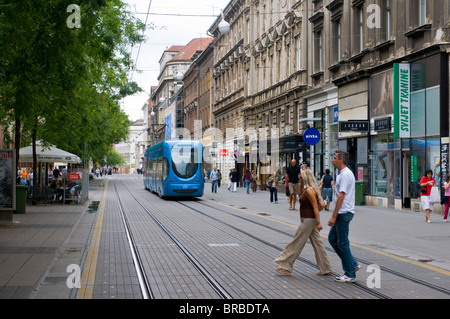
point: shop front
(409, 135)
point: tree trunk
(17, 140)
(36, 176)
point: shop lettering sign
(402, 100)
(383, 124)
(354, 126)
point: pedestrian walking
(233, 180)
(343, 214)
(427, 182)
(24, 177)
(446, 198)
(254, 181)
(292, 173)
(327, 186)
(247, 180)
(213, 177)
(309, 228)
(272, 184)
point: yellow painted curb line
(90, 264)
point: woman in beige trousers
(309, 228)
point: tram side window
(150, 168)
(165, 169)
(159, 169)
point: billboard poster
(382, 94)
(7, 180)
(169, 126)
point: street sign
(223, 152)
(73, 177)
(311, 136)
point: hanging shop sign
(354, 126)
(383, 124)
(402, 100)
(311, 136)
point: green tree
(63, 85)
(113, 158)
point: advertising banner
(402, 100)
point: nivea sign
(311, 136)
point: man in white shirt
(344, 211)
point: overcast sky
(170, 29)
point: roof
(175, 48)
(188, 52)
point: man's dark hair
(344, 156)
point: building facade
(335, 65)
(168, 97)
(133, 149)
(356, 46)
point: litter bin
(21, 199)
(359, 193)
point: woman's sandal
(284, 271)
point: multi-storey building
(167, 99)
(260, 76)
(198, 103)
(133, 148)
(287, 65)
(356, 45)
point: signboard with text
(311, 136)
(354, 126)
(73, 177)
(7, 180)
(402, 100)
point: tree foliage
(63, 85)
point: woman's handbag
(435, 196)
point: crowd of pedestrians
(313, 197)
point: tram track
(144, 284)
(301, 259)
(140, 269)
(361, 260)
(373, 292)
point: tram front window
(183, 161)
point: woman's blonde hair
(310, 181)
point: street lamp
(224, 26)
(178, 77)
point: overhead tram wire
(140, 43)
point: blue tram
(174, 168)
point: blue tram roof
(160, 145)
